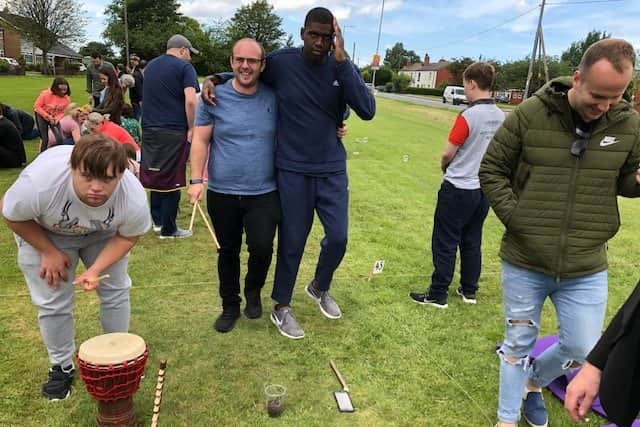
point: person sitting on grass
(130, 124)
(49, 108)
(22, 121)
(12, 154)
(71, 124)
(112, 97)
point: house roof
(17, 21)
(419, 66)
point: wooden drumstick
(193, 214)
(158, 396)
(206, 221)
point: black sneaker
(226, 321)
(467, 297)
(58, 386)
(425, 299)
(253, 309)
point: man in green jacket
(552, 175)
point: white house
(427, 75)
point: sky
(492, 29)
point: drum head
(110, 349)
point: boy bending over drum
(70, 203)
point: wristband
(195, 181)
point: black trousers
(43, 127)
(258, 216)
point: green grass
(406, 364)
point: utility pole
(373, 79)
(534, 52)
(126, 33)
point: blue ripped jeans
(580, 304)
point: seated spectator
(12, 154)
(129, 122)
(71, 123)
(22, 121)
(49, 108)
(97, 123)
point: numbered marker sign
(378, 266)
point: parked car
(10, 61)
(454, 95)
(502, 97)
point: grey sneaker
(327, 305)
(286, 323)
(157, 228)
(178, 234)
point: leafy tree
(383, 75)
(257, 21)
(366, 74)
(49, 22)
(397, 57)
(513, 75)
(151, 23)
(401, 82)
(573, 54)
(214, 50)
(102, 48)
(456, 67)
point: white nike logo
(335, 83)
(608, 140)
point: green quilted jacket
(560, 210)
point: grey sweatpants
(55, 307)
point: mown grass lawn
(406, 364)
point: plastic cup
(274, 393)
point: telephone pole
(373, 79)
(537, 51)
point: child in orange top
(50, 107)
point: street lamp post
(126, 32)
(373, 79)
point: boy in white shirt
(76, 203)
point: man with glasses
(552, 175)
(241, 191)
(167, 126)
(313, 89)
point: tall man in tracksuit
(552, 175)
(313, 90)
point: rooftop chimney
(426, 59)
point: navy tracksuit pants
(457, 223)
(301, 196)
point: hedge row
(423, 91)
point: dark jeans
(137, 110)
(96, 101)
(43, 128)
(300, 197)
(164, 210)
(457, 224)
(258, 216)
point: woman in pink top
(50, 107)
(70, 124)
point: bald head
(247, 61)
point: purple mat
(559, 386)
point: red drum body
(111, 367)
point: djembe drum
(111, 367)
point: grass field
(406, 364)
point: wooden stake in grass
(158, 396)
(206, 222)
(193, 215)
(377, 268)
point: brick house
(14, 44)
(426, 74)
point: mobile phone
(344, 401)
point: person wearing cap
(135, 92)
(167, 126)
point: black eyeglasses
(579, 146)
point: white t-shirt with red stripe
(472, 131)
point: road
(420, 100)
(430, 102)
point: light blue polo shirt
(241, 155)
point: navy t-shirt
(165, 79)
